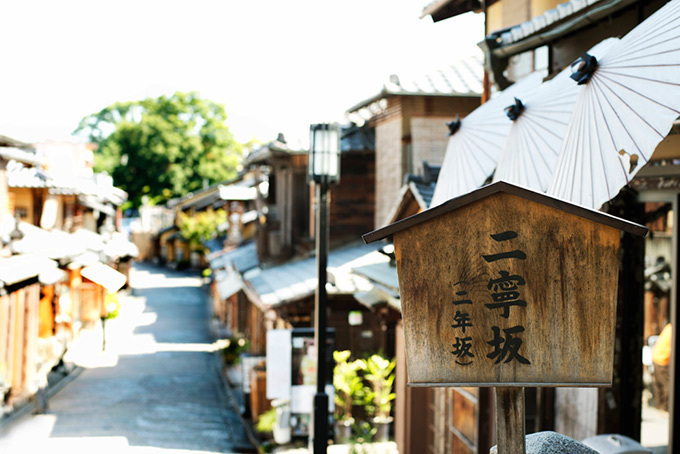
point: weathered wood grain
(510, 425)
(569, 285)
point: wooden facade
(19, 332)
(40, 313)
(410, 130)
(283, 212)
(352, 201)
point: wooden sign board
(508, 287)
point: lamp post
(323, 168)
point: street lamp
(323, 168)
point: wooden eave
(9, 142)
(387, 94)
(269, 153)
(589, 16)
(444, 9)
(504, 187)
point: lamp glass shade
(324, 153)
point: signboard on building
(508, 287)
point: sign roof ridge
(505, 187)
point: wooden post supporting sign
(510, 422)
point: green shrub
(379, 373)
(348, 384)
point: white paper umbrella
(623, 111)
(532, 147)
(473, 149)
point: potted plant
(232, 349)
(379, 373)
(348, 392)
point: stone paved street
(156, 388)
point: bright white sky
(275, 65)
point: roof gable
(504, 187)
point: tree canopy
(163, 147)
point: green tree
(199, 227)
(163, 147)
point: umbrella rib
(640, 47)
(474, 138)
(603, 75)
(543, 112)
(557, 95)
(546, 129)
(653, 27)
(522, 170)
(505, 168)
(599, 142)
(633, 110)
(591, 181)
(568, 158)
(662, 136)
(608, 68)
(537, 147)
(575, 157)
(599, 88)
(470, 145)
(614, 63)
(481, 138)
(463, 158)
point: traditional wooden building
(527, 35)
(282, 200)
(409, 117)
(20, 327)
(286, 214)
(44, 249)
(236, 198)
(410, 120)
(284, 295)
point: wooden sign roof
(502, 186)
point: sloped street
(156, 388)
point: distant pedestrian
(661, 355)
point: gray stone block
(552, 443)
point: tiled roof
(380, 272)
(99, 185)
(425, 191)
(93, 203)
(357, 138)
(277, 147)
(243, 258)
(20, 176)
(27, 156)
(228, 282)
(461, 78)
(214, 247)
(293, 281)
(22, 267)
(54, 244)
(561, 13)
(59, 245)
(238, 192)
